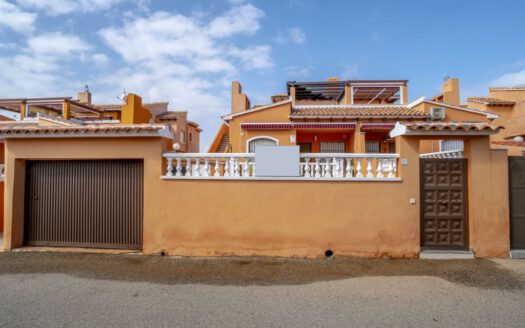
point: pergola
(61, 106)
(361, 91)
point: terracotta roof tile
(170, 115)
(86, 130)
(451, 126)
(491, 101)
(355, 111)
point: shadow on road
(252, 271)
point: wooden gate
(444, 204)
(517, 202)
(88, 203)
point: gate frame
(512, 247)
(466, 228)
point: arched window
(261, 141)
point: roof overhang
(256, 109)
(443, 129)
(120, 131)
(465, 109)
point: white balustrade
(313, 166)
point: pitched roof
(444, 128)
(170, 115)
(355, 111)
(491, 101)
(143, 130)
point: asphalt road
(90, 290)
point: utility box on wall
(277, 161)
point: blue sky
(189, 51)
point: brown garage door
(84, 203)
(443, 203)
(517, 202)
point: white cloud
(293, 35)
(40, 67)
(100, 60)
(57, 44)
(510, 80)
(258, 57)
(297, 35)
(14, 18)
(59, 7)
(186, 59)
(242, 19)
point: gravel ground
(95, 290)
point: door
(443, 203)
(93, 203)
(517, 202)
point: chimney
(240, 101)
(450, 91)
(84, 96)
(279, 97)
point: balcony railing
(312, 166)
(444, 154)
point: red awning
(297, 125)
(377, 126)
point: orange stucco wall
(280, 217)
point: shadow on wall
(252, 271)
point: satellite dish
(123, 96)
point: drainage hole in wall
(162, 253)
(328, 253)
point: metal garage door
(517, 202)
(93, 203)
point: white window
(372, 147)
(451, 145)
(260, 141)
(332, 147)
(182, 137)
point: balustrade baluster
(307, 167)
(379, 172)
(170, 167)
(348, 167)
(317, 168)
(217, 172)
(197, 168)
(246, 168)
(226, 167)
(236, 167)
(369, 167)
(359, 168)
(327, 168)
(179, 167)
(188, 167)
(206, 168)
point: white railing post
(236, 167)
(170, 167)
(327, 169)
(197, 168)
(307, 167)
(217, 172)
(379, 172)
(179, 167)
(317, 168)
(227, 167)
(206, 168)
(188, 167)
(369, 167)
(348, 168)
(359, 168)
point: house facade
(334, 116)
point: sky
(187, 52)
